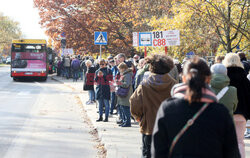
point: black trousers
(146, 146)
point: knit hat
(218, 69)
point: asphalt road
(42, 120)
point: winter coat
(230, 100)
(246, 65)
(239, 80)
(147, 98)
(66, 62)
(89, 79)
(84, 67)
(212, 135)
(139, 75)
(125, 82)
(75, 65)
(174, 73)
(103, 88)
(81, 65)
(115, 71)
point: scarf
(179, 91)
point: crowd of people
(183, 110)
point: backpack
(75, 64)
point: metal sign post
(100, 51)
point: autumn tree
(69, 17)
(9, 30)
(208, 23)
(79, 19)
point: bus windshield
(36, 48)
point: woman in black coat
(211, 135)
(238, 79)
(89, 81)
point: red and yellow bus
(29, 58)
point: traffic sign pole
(166, 50)
(100, 51)
(145, 52)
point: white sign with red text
(172, 37)
(165, 38)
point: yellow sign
(30, 41)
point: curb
(111, 151)
(113, 138)
(91, 119)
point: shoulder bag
(222, 93)
(122, 92)
(189, 123)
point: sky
(23, 12)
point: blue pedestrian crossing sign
(101, 38)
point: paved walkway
(120, 142)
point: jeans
(66, 70)
(146, 145)
(103, 102)
(119, 112)
(75, 75)
(81, 74)
(91, 95)
(112, 105)
(126, 116)
(240, 126)
(63, 72)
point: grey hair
(88, 62)
(121, 55)
(232, 60)
(141, 61)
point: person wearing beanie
(218, 82)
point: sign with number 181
(158, 39)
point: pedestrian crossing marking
(100, 39)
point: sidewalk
(120, 142)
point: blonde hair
(232, 60)
(88, 62)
